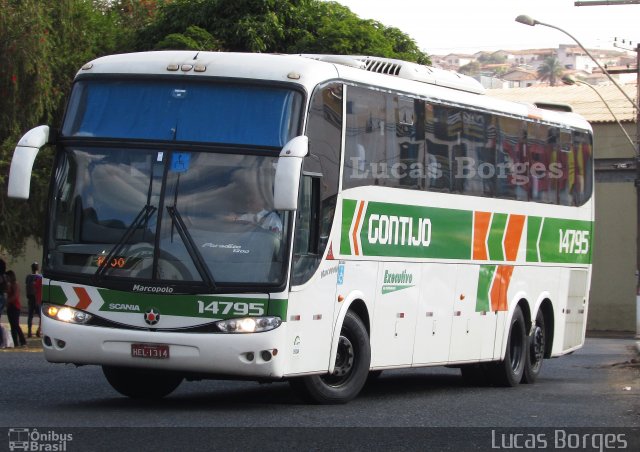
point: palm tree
(550, 70)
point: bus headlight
(249, 324)
(66, 314)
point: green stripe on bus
(533, 231)
(565, 241)
(496, 235)
(484, 286)
(56, 295)
(415, 231)
(348, 211)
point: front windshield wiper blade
(191, 247)
(143, 216)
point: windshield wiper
(191, 247)
(143, 216)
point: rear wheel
(535, 356)
(141, 383)
(351, 369)
(509, 371)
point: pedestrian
(13, 309)
(3, 300)
(3, 285)
(33, 285)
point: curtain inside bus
(183, 111)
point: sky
(467, 26)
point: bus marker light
(295, 318)
(199, 68)
(340, 298)
(186, 67)
(274, 352)
(173, 67)
(317, 317)
(293, 76)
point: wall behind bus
(613, 286)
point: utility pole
(607, 3)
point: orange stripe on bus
(354, 235)
(481, 221)
(83, 296)
(512, 236)
(499, 288)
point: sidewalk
(34, 344)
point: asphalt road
(597, 387)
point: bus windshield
(172, 216)
(163, 210)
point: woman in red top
(13, 309)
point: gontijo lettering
(395, 230)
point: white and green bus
(310, 218)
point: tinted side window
(319, 184)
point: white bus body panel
(223, 354)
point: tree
(278, 26)
(194, 38)
(42, 45)
(44, 42)
(473, 68)
(550, 70)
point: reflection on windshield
(226, 217)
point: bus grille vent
(382, 66)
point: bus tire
(535, 351)
(351, 369)
(509, 371)
(141, 383)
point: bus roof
(310, 70)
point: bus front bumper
(259, 355)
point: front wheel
(509, 371)
(350, 371)
(141, 383)
(535, 355)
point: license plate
(152, 351)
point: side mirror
(22, 162)
(288, 170)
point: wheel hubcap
(344, 363)
(344, 357)
(516, 347)
(537, 345)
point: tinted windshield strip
(180, 110)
